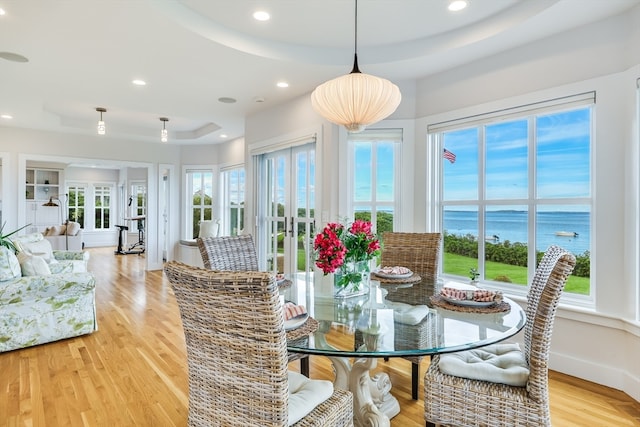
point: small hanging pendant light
(164, 137)
(101, 127)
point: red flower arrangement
(337, 245)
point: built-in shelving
(42, 185)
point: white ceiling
(83, 54)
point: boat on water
(493, 238)
(566, 233)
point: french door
(286, 221)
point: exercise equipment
(138, 247)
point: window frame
(102, 208)
(226, 191)
(529, 112)
(188, 171)
(76, 188)
(374, 137)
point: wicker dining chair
(455, 400)
(233, 253)
(420, 253)
(237, 354)
(238, 253)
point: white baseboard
(599, 373)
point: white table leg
(373, 404)
(367, 391)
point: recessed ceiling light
(457, 5)
(223, 135)
(227, 100)
(6, 116)
(139, 82)
(261, 15)
(2, 12)
(282, 84)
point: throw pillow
(33, 265)
(73, 228)
(40, 248)
(57, 230)
(9, 265)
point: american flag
(449, 156)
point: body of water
(512, 226)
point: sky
(562, 151)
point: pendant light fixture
(164, 137)
(101, 127)
(356, 99)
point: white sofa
(65, 237)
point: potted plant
(473, 275)
(5, 241)
(346, 251)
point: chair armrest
(71, 255)
(42, 287)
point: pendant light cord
(355, 43)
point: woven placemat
(284, 284)
(306, 329)
(497, 308)
(415, 278)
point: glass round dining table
(390, 320)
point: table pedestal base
(373, 404)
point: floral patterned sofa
(42, 302)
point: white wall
(22, 145)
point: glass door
(287, 226)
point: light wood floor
(132, 371)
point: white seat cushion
(305, 394)
(208, 228)
(498, 363)
(406, 313)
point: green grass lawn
(460, 265)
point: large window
(76, 203)
(233, 187)
(514, 185)
(199, 199)
(102, 207)
(374, 182)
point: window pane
(563, 154)
(568, 226)
(384, 221)
(506, 248)
(506, 160)
(301, 185)
(461, 176)
(362, 172)
(98, 218)
(385, 161)
(460, 239)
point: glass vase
(351, 279)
